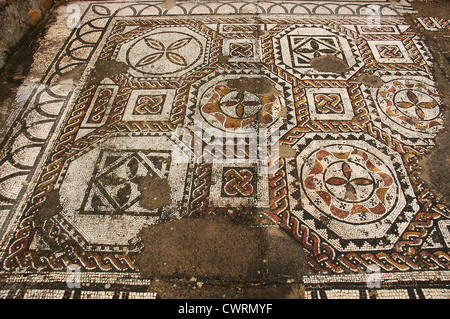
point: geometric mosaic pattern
(351, 196)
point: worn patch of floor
(216, 252)
(229, 149)
(329, 63)
(432, 18)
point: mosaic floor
(349, 190)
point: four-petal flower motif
(162, 50)
(240, 104)
(418, 103)
(350, 183)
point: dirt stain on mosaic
(432, 8)
(195, 288)
(168, 4)
(371, 80)
(49, 208)
(34, 16)
(248, 214)
(283, 113)
(434, 166)
(286, 151)
(73, 74)
(259, 33)
(17, 67)
(155, 192)
(259, 85)
(213, 248)
(329, 63)
(105, 69)
(264, 89)
(221, 59)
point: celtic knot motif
(389, 51)
(239, 182)
(149, 104)
(328, 103)
(241, 50)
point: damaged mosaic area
(350, 93)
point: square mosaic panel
(351, 195)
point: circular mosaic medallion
(233, 109)
(166, 52)
(411, 104)
(349, 184)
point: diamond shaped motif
(113, 188)
(306, 48)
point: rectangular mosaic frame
(56, 108)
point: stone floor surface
(227, 149)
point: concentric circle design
(349, 184)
